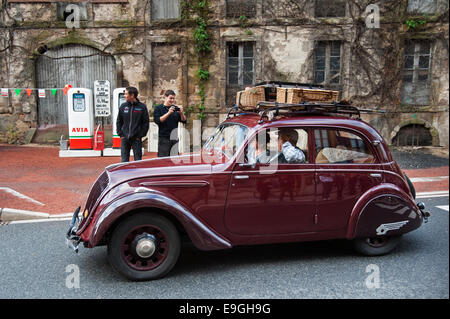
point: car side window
(286, 145)
(341, 147)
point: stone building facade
(386, 54)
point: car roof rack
(304, 108)
(289, 85)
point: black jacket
(132, 120)
(166, 127)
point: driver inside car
(289, 152)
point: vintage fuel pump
(81, 124)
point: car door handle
(241, 177)
(375, 175)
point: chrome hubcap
(146, 246)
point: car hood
(191, 164)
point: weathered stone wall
(158, 55)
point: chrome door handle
(241, 177)
(375, 175)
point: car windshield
(227, 139)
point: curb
(9, 214)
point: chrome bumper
(72, 240)
(425, 214)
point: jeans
(125, 147)
(167, 147)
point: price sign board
(102, 101)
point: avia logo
(79, 130)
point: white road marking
(428, 179)
(22, 196)
(432, 194)
(444, 207)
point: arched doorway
(74, 64)
(413, 135)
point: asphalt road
(36, 263)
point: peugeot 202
(339, 181)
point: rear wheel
(144, 247)
(376, 246)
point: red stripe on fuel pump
(116, 142)
(80, 143)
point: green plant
(243, 21)
(412, 23)
(201, 37)
(197, 12)
(203, 74)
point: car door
(272, 198)
(346, 167)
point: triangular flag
(66, 88)
(54, 91)
(29, 91)
(41, 93)
(17, 92)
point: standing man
(167, 116)
(132, 125)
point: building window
(241, 8)
(240, 63)
(327, 62)
(330, 9)
(165, 9)
(422, 6)
(416, 73)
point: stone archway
(76, 64)
(415, 133)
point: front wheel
(144, 247)
(376, 246)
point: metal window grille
(422, 6)
(327, 62)
(241, 8)
(416, 73)
(240, 63)
(165, 9)
(330, 9)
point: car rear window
(341, 147)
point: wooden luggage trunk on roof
(298, 95)
(248, 98)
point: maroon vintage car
(281, 175)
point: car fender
(383, 210)
(202, 236)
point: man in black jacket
(132, 125)
(167, 116)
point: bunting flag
(66, 88)
(41, 92)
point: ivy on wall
(197, 12)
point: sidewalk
(34, 178)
